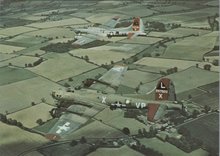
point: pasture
(8, 49)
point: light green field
(185, 80)
(95, 129)
(166, 63)
(117, 120)
(27, 40)
(29, 116)
(15, 140)
(132, 78)
(141, 40)
(11, 75)
(25, 92)
(20, 61)
(179, 32)
(100, 57)
(82, 14)
(61, 66)
(33, 52)
(102, 17)
(9, 49)
(62, 40)
(124, 150)
(33, 17)
(16, 30)
(167, 149)
(170, 8)
(197, 18)
(64, 22)
(192, 48)
(6, 56)
(53, 32)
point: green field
(11, 75)
(169, 150)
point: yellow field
(179, 32)
(16, 30)
(14, 140)
(141, 40)
(166, 63)
(124, 150)
(117, 120)
(25, 92)
(95, 129)
(59, 23)
(192, 48)
(29, 116)
(163, 147)
(9, 49)
(100, 57)
(61, 66)
(20, 61)
(53, 32)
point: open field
(167, 63)
(170, 8)
(11, 75)
(20, 61)
(141, 40)
(192, 48)
(100, 57)
(206, 129)
(24, 93)
(117, 120)
(185, 80)
(28, 116)
(9, 49)
(132, 78)
(196, 18)
(168, 149)
(16, 30)
(95, 129)
(6, 56)
(179, 32)
(59, 23)
(27, 40)
(124, 150)
(61, 66)
(102, 17)
(14, 140)
(53, 32)
(62, 40)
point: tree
(140, 132)
(73, 143)
(66, 84)
(126, 130)
(207, 67)
(86, 58)
(195, 113)
(83, 140)
(207, 108)
(70, 79)
(3, 118)
(215, 62)
(39, 122)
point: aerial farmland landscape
(103, 78)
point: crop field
(28, 116)
(192, 48)
(11, 75)
(20, 61)
(170, 8)
(134, 10)
(197, 18)
(132, 78)
(33, 17)
(34, 52)
(27, 40)
(24, 93)
(53, 32)
(102, 17)
(61, 66)
(210, 134)
(100, 57)
(168, 149)
(77, 80)
(82, 14)
(14, 140)
(179, 32)
(116, 119)
(195, 76)
(4, 57)
(90, 130)
(64, 22)
(167, 63)
(124, 150)
(9, 49)
(16, 30)
(141, 40)
(62, 40)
